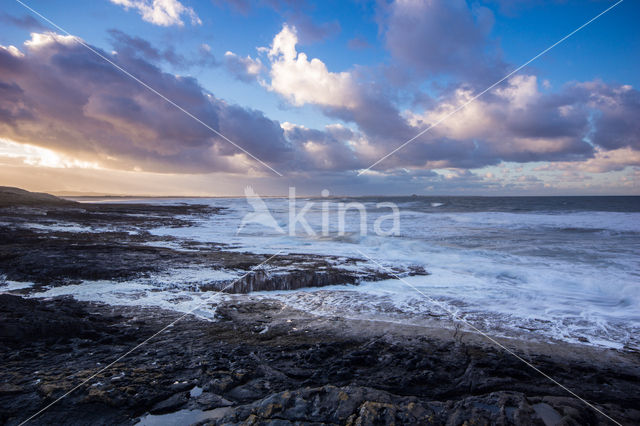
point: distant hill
(10, 196)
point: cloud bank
(516, 122)
(57, 95)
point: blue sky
(365, 77)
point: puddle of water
(183, 417)
(548, 414)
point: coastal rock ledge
(264, 363)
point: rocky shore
(262, 362)
(259, 361)
(52, 242)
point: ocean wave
(575, 271)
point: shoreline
(54, 243)
(440, 326)
(431, 322)
(261, 353)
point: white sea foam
(67, 227)
(569, 274)
(177, 295)
(8, 286)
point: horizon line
(63, 195)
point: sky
(382, 97)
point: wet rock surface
(63, 242)
(263, 363)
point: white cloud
(480, 118)
(504, 120)
(303, 81)
(602, 162)
(161, 12)
(13, 51)
(515, 122)
(39, 40)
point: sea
(540, 268)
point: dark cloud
(280, 6)
(12, 107)
(323, 150)
(443, 37)
(262, 136)
(132, 46)
(205, 57)
(136, 46)
(517, 123)
(27, 22)
(377, 117)
(57, 94)
(247, 6)
(442, 152)
(617, 123)
(61, 96)
(311, 32)
(296, 12)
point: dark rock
(8, 389)
(25, 320)
(171, 404)
(209, 401)
(11, 197)
(304, 369)
(334, 405)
